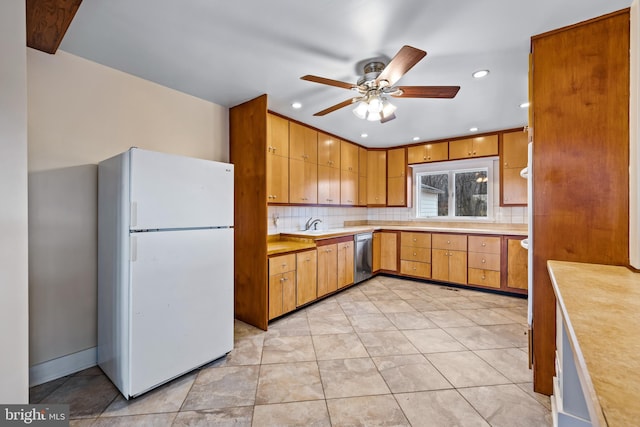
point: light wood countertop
(601, 308)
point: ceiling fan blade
(329, 82)
(426, 91)
(404, 60)
(336, 107)
(388, 118)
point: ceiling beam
(47, 22)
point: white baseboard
(65, 365)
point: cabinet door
(377, 252)
(417, 154)
(282, 294)
(517, 264)
(345, 264)
(396, 162)
(348, 188)
(514, 187)
(306, 270)
(514, 149)
(328, 150)
(460, 149)
(303, 143)
(327, 269)
(303, 182)
(349, 157)
(376, 177)
(397, 191)
(362, 191)
(437, 152)
(328, 185)
(277, 136)
(440, 264)
(362, 161)
(485, 146)
(489, 278)
(458, 267)
(389, 251)
(277, 179)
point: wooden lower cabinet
(282, 285)
(484, 261)
(415, 254)
(306, 277)
(346, 257)
(449, 258)
(389, 251)
(376, 255)
(517, 264)
(327, 269)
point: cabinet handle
(284, 265)
(484, 244)
(484, 260)
(448, 242)
(483, 277)
(474, 153)
(273, 150)
(469, 153)
(415, 254)
(415, 240)
(424, 158)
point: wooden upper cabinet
(513, 188)
(514, 149)
(277, 159)
(426, 153)
(277, 135)
(349, 188)
(376, 177)
(328, 150)
(396, 177)
(303, 182)
(349, 156)
(303, 143)
(480, 146)
(362, 176)
(328, 185)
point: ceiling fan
(378, 81)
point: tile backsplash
(293, 218)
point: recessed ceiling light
(473, 129)
(524, 105)
(296, 105)
(416, 138)
(480, 74)
(364, 135)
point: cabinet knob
(429, 158)
(484, 260)
(483, 277)
(415, 254)
(484, 244)
(474, 153)
(448, 242)
(469, 153)
(424, 158)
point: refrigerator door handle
(134, 248)
(134, 214)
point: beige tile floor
(387, 352)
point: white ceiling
(232, 51)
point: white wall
(14, 378)
(81, 112)
(634, 143)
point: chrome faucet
(312, 223)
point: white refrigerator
(165, 266)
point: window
(459, 189)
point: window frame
(452, 167)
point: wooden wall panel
(580, 161)
(247, 149)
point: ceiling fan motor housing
(371, 72)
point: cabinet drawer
(420, 240)
(412, 268)
(488, 245)
(282, 264)
(454, 242)
(484, 277)
(484, 261)
(415, 254)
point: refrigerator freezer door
(181, 303)
(169, 191)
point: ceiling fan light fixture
(387, 108)
(374, 117)
(361, 110)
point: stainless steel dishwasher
(364, 257)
